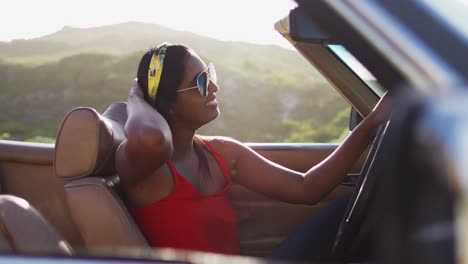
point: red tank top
(187, 219)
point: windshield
(347, 58)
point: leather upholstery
(87, 141)
(100, 214)
(84, 158)
(24, 230)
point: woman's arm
(271, 179)
(149, 140)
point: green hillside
(267, 93)
(130, 37)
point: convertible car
(61, 202)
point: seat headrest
(26, 231)
(87, 141)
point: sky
(235, 20)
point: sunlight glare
(241, 20)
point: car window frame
(314, 48)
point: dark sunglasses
(203, 80)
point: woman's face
(191, 108)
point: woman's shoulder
(224, 145)
(220, 140)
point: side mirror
(354, 119)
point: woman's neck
(182, 142)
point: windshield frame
(357, 67)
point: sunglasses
(203, 80)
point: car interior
(64, 198)
(80, 182)
(74, 184)
(25, 231)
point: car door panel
(26, 171)
(264, 222)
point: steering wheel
(355, 225)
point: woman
(175, 181)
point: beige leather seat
(84, 159)
(23, 230)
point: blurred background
(57, 55)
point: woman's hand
(382, 109)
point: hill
(267, 93)
(130, 37)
